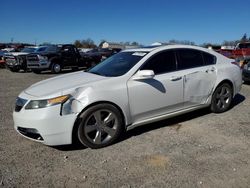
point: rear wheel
(100, 126)
(56, 68)
(222, 98)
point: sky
(143, 21)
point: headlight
(35, 104)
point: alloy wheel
(101, 126)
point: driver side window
(162, 62)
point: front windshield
(48, 49)
(118, 64)
(41, 49)
(28, 50)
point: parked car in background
(2, 61)
(95, 56)
(16, 61)
(129, 89)
(55, 58)
(242, 55)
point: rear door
(199, 75)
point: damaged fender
(78, 100)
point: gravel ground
(199, 149)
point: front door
(159, 95)
(68, 56)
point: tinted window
(209, 59)
(51, 49)
(28, 50)
(244, 45)
(189, 58)
(41, 49)
(118, 64)
(161, 63)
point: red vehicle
(2, 61)
(226, 52)
(241, 53)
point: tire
(222, 98)
(56, 68)
(36, 71)
(94, 132)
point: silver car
(132, 88)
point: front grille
(31, 133)
(19, 104)
(32, 61)
(32, 58)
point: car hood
(58, 85)
(17, 53)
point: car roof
(165, 47)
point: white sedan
(132, 88)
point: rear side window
(209, 59)
(162, 62)
(244, 45)
(188, 58)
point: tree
(85, 43)
(186, 42)
(135, 43)
(88, 43)
(244, 38)
(78, 44)
(230, 43)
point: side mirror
(144, 74)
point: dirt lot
(199, 149)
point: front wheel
(222, 98)
(100, 126)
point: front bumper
(38, 65)
(45, 125)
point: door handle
(174, 78)
(212, 69)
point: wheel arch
(54, 59)
(228, 82)
(75, 126)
